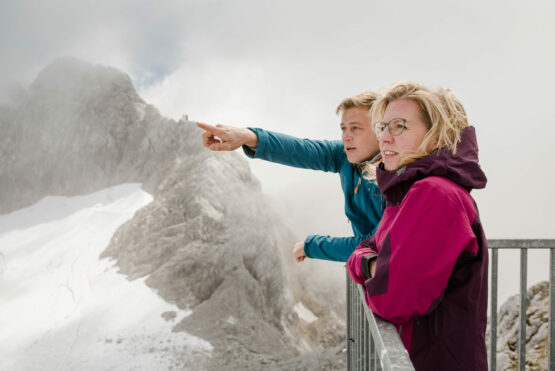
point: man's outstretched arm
(275, 147)
(324, 155)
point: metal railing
(523, 246)
(374, 344)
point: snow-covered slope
(63, 308)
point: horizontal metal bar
(521, 244)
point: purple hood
(462, 168)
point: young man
(364, 203)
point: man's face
(358, 137)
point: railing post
(551, 354)
(493, 312)
(523, 305)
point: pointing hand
(226, 138)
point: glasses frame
(387, 124)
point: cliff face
(537, 329)
(207, 242)
(80, 128)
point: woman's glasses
(395, 127)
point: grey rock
(537, 327)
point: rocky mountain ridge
(208, 242)
(79, 128)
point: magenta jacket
(432, 259)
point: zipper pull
(356, 189)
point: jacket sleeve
(418, 254)
(354, 264)
(331, 248)
(284, 149)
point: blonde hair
(443, 114)
(362, 100)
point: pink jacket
(432, 264)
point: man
(364, 203)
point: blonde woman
(425, 269)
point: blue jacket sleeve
(332, 248)
(284, 149)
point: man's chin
(354, 159)
(351, 160)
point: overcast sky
(285, 65)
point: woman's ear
(432, 146)
(432, 143)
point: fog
(286, 65)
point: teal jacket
(363, 206)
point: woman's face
(393, 148)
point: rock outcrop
(537, 329)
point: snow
(304, 313)
(62, 308)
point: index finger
(209, 128)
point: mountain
(80, 128)
(208, 242)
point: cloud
(286, 65)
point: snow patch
(304, 313)
(62, 308)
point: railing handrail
(392, 353)
(521, 244)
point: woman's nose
(386, 136)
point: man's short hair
(362, 100)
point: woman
(425, 269)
